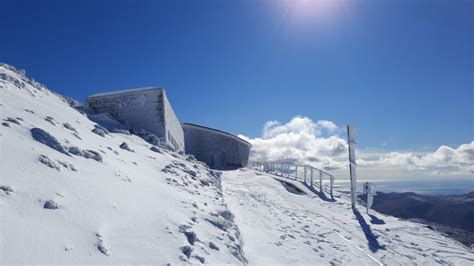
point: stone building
(142, 108)
(218, 149)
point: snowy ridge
(71, 195)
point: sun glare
(311, 11)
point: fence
(305, 173)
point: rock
(44, 137)
(76, 135)
(68, 166)
(155, 149)
(90, 154)
(6, 189)
(125, 146)
(191, 236)
(76, 151)
(68, 126)
(47, 161)
(213, 246)
(146, 136)
(99, 130)
(101, 245)
(187, 250)
(51, 205)
(191, 158)
(50, 120)
(200, 258)
(120, 131)
(12, 120)
(220, 223)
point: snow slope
(73, 192)
(306, 226)
(117, 206)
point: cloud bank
(323, 145)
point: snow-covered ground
(293, 223)
(117, 206)
(71, 191)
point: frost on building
(218, 149)
(143, 108)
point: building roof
(128, 91)
(218, 131)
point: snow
(107, 122)
(295, 223)
(109, 93)
(120, 209)
(68, 195)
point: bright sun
(311, 11)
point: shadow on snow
(373, 243)
(320, 193)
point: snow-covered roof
(227, 134)
(110, 93)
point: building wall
(218, 149)
(174, 131)
(147, 109)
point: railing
(307, 174)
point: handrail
(291, 170)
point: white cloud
(444, 161)
(317, 143)
(300, 140)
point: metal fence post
(331, 183)
(304, 173)
(296, 176)
(320, 180)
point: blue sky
(401, 71)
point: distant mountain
(456, 212)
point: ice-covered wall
(143, 108)
(174, 131)
(218, 149)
